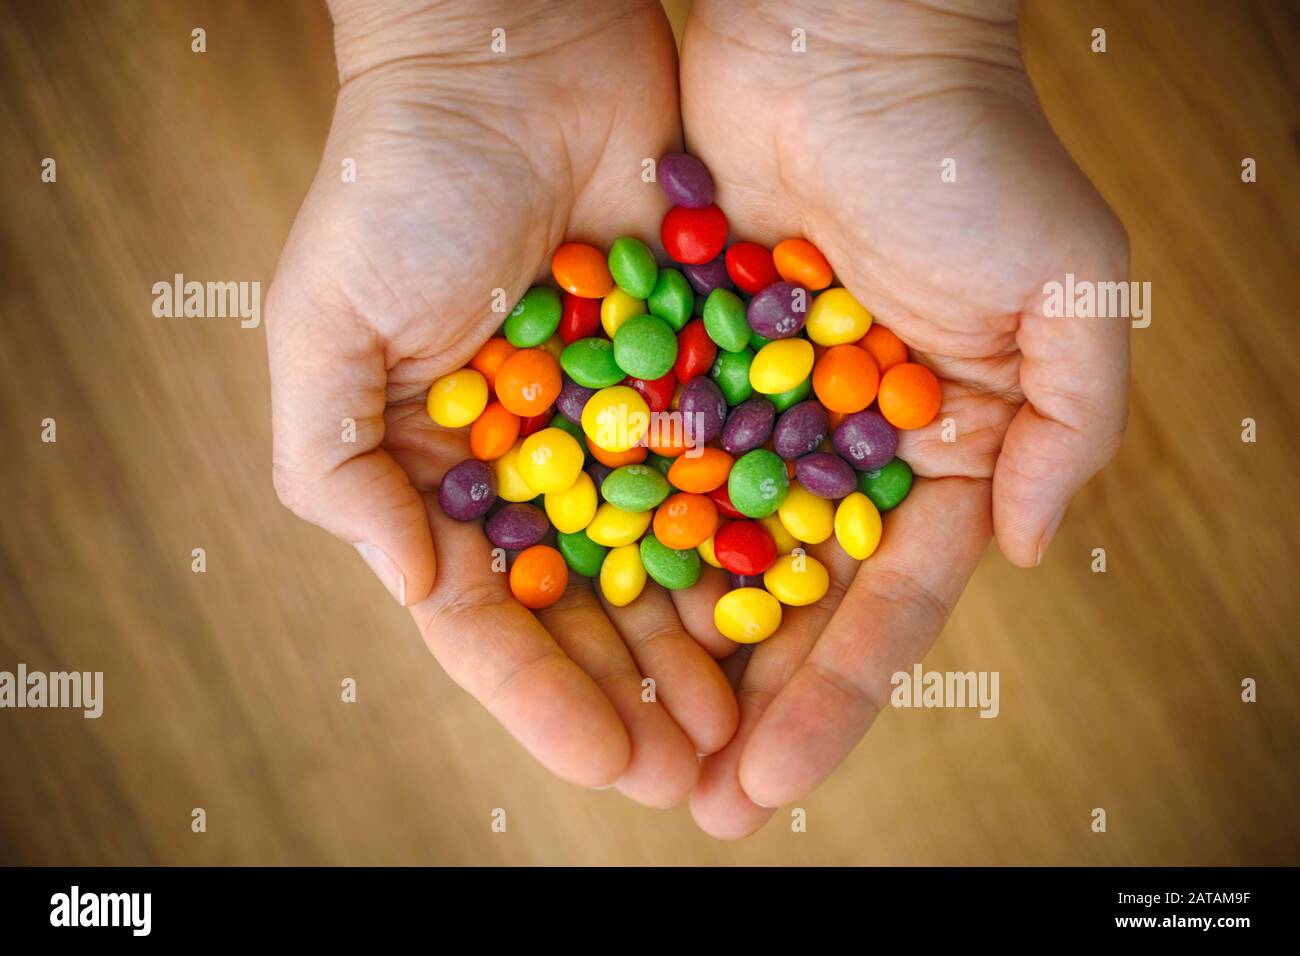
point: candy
(800, 430)
(721, 499)
(703, 473)
(635, 488)
(750, 267)
(748, 426)
(659, 463)
(758, 483)
(633, 266)
(685, 180)
(857, 526)
(657, 392)
(617, 459)
(510, 483)
(704, 277)
(784, 540)
(836, 318)
(797, 580)
(865, 440)
(694, 236)
(493, 433)
(468, 490)
(616, 418)
(622, 575)
(550, 460)
(591, 363)
(517, 526)
(561, 421)
(672, 298)
(535, 318)
(528, 382)
(705, 550)
(538, 577)
(781, 365)
(779, 311)
(845, 378)
(909, 396)
(582, 555)
(724, 320)
(887, 486)
(807, 517)
(685, 520)
(744, 547)
(580, 269)
(745, 581)
(826, 475)
(532, 424)
(885, 347)
(645, 347)
(799, 261)
(731, 372)
(747, 615)
(489, 358)
(579, 317)
(672, 568)
(703, 409)
(788, 399)
(571, 510)
(573, 398)
(457, 399)
(695, 352)
(616, 308)
(599, 471)
(614, 527)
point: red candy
(695, 352)
(744, 547)
(658, 393)
(694, 236)
(751, 267)
(580, 318)
(535, 423)
(723, 501)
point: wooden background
(1119, 690)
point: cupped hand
(846, 143)
(453, 168)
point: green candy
(535, 318)
(757, 341)
(669, 567)
(888, 486)
(724, 320)
(673, 299)
(591, 363)
(660, 463)
(731, 372)
(633, 266)
(645, 347)
(635, 488)
(758, 483)
(581, 554)
(558, 420)
(792, 397)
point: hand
(471, 166)
(844, 144)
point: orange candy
(539, 576)
(488, 360)
(909, 396)
(528, 382)
(617, 459)
(702, 474)
(800, 262)
(582, 270)
(685, 521)
(667, 440)
(493, 433)
(885, 347)
(845, 378)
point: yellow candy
(614, 527)
(806, 516)
(706, 552)
(785, 541)
(510, 482)
(781, 365)
(554, 345)
(616, 418)
(616, 308)
(797, 579)
(835, 318)
(857, 526)
(550, 460)
(622, 575)
(572, 510)
(747, 615)
(457, 399)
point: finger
(695, 609)
(663, 766)
(964, 438)
(327, 372)
(492, 646)
(687, 680)
(892, 613)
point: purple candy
(709, 276)
(800, 429)
(685, 180)
(517, 526)
(599, 471)
(746, 580)
(826, 475)
(703, 409)
(468, 490)
(573, 398)
(866, 441)
(748, 426)
(778, 311)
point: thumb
(328, 381)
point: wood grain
(1119, 690)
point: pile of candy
(660, 417)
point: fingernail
(1046, 539)
(385, 570)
